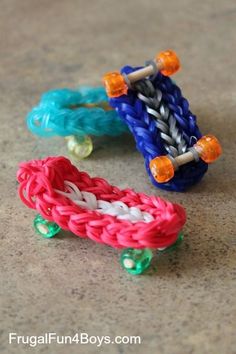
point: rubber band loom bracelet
(89, 207)
(75, 115)
(166, 133)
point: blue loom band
(147, 136)
(54, 114)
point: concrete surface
(67, 285)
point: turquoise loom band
(62, 112)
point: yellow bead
(170, 62)
(115, 84)
(79, 147)
(209, 148)
(162, 169)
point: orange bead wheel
(162, 169)
(169, 61)
(209, 148)
(115, 84)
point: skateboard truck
(163, 167)
(117, 84)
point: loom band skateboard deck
(76, 115)
(149, 127)
(69, 199)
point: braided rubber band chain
(159, 117)
(92, 208)
(89, 201)
(63, 112)
(75, 114)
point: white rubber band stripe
(89, 201)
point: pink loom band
(40, 178)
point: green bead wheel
(79, 147)
(45, 228)
(174, 246)
(136, 261)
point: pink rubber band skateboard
(69, 199)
